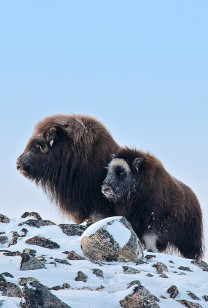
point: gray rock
(202, 264)
(193, 296)
(134, 282)
(205, 297)
(72, 229)
(72, 255)
(23, 281)
(42, 242)
(10, 289)
(81, 276)
(31, 252)
(2, 278)
(101, 245)
(6, 274)
(173, 291)
(34, 214)
(37, 295)
(29, 262)
(3, 239)
(140, 298)
(4, 219)
(130, 270)
(12, 253)
(163, 276)
(160, 267)
(189, 304)
(97, 272)
(185, 268)
(148, 257)
(37, 223)
(62, 261)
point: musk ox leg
(190, 250)
(150, 240)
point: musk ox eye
(43, 148)
(121, 174)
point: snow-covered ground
(97, 291)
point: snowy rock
(81, 276)
(189, 304)
(203, 265)
(111, 239)
(43, 242)
(34, 214)
(98, 272)
(72, 229)
(10, 289)
(29, 262)
(62, 261)
(130, 270)
(37, 295)
(4, 219)
(37, 223)
(173, 291)
(140, 298)
(3, 239)
(160, 267)
(72, 255)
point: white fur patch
(119, 162)
(150, 241)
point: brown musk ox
(66, 155)
(163, 211)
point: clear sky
(140, 67)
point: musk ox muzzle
(108, 191)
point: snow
(120, 233)
(96, 226)
(115, 282)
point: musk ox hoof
(111, 239)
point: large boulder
(111, 239)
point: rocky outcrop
(112, 239)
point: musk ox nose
(107, 189)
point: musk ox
(163, 211)
(66, 155)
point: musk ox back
(162, 210)
(66, 156)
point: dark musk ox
(66, 155)
(163, 211)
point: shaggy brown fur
(162, 210)
(66, 155)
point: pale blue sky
(141, 67)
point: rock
(4, 219)
(148, 257)
(29, 262)
(111, 239)
(189, 304)
(72, 229)
(2, 278)
(202, 264)
(160, 267)
(140, 298)
(15, 236)
(23, 281)
(130, 270)
(149, 275)
(185, 268)
(25, 231)
(62, 261)
(31, 252)
(64, 286)
(3, 239)
(37, 295)
(72, 255)
(205, 297)
(43, 242)
(193, 296)
(37, 223)
(6, 274)
(134, 282)
(10, 289)
(12, 253)
(34, 214)
(163, 276)
(98, 272)
(81, 276)
(173, 291)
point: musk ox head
(66, 155)
(122, 179)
